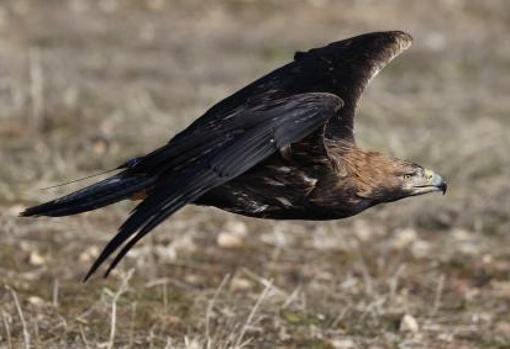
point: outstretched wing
(343, 68)
(220, 151)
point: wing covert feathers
(217, 153)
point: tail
(103, 193)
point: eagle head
(387, 179)
(410, 180)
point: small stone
(408, 324)
(446, 337)
(26, 246)
(421, 249)
(228, 240)
(182, 245)
(487, 259)
(404, 238)
(363, 230)
(344, 343)
(36, 258)
(462, 235)
(236, 227)
(480, 318)
(89, 254)
(34, 300)
(193, 279)
(240, 284)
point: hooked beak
(433, 182)
(438, 182)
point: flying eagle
(282, 147)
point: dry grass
(87, 84)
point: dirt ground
(86, 84)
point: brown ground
(86, 84)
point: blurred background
(87, 84)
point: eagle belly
(276, 189)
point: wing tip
(404, 39)
(34, 211)
(25, 213)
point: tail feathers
(100, 194)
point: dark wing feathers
(162, 202)
(207, 134)
(343, 68)
(103, 193)
(233, 148)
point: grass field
(86, 84)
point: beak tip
(443, 187)
(438, 181)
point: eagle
(283, 147)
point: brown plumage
(283, 147)
(140, 195)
